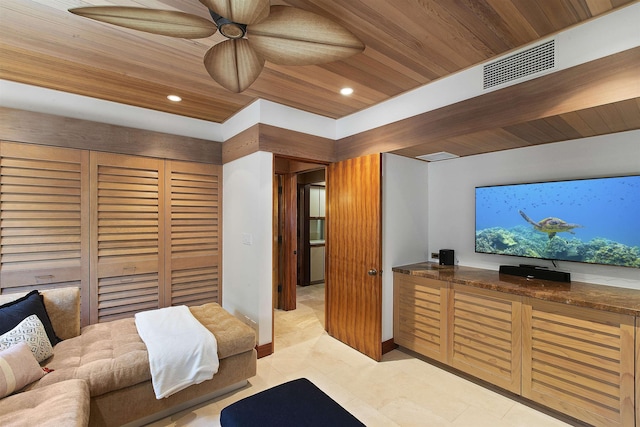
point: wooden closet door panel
(193, 207)
(44, 220)
(126, 235)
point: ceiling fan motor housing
(228, 28)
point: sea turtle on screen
(551, 225)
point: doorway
(311, 227)
(298, 216)
(353, 297)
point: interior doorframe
(290, 240)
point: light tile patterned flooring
(399, 391)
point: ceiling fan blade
(163, 22)
(240, 11)
(233, 64)
(291, 36)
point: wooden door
(286, 240)
(127, 242)
(193, 199)
(354, 254)
(290, 240)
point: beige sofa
(111, 361)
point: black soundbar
(533, 272)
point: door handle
(372, 272)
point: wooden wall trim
(603, 81)
(47, 129)
(294, 144)
(245, 143)
(280, 141)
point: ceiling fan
(255, 31)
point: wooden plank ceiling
(408, 44)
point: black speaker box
(446, 257)
(532, 272)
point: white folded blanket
(181, 350)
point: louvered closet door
(44, 219)
(126, 235)
(192, 226)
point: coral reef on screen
(527, 242)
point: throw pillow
(29, 331)
(18, 368)
(16, 311)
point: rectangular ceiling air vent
(435, 157)
(519, 65)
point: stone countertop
(599, 297)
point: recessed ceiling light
(346, 91)
(174, 98)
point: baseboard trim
(264, 350)
(388, 346)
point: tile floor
(399, 391)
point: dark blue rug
(295, 403)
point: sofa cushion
(233, 336)
(63, 404)
(14, 312)
(18, 368)
(63, 308)
(108, 356)
(31, 332)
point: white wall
(247, 240)
(452, 183)
(404, 224)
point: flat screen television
(587, 220)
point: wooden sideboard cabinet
(485, 335)
(420, 315)
(578, 354)
(579, 361)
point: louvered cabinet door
(579, 361)
(485, 335)
(44, 221)
(126, 235)
(193, 230)
(420, 315)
